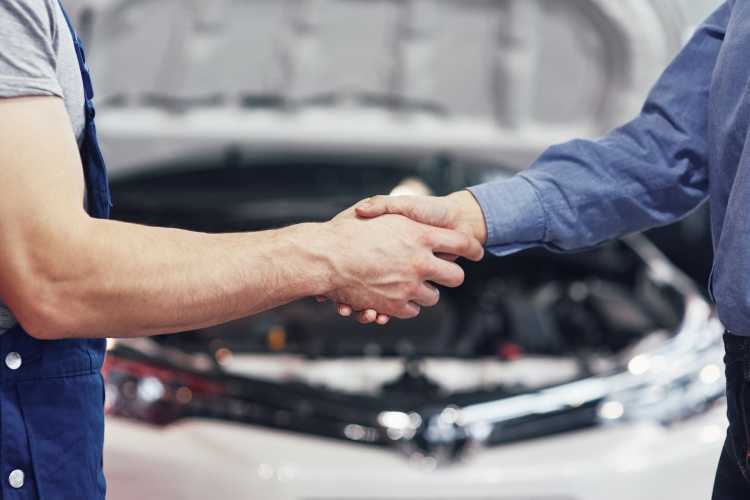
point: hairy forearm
(108, 278)
(64, 274)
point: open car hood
(495, 78)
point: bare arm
(65, 274)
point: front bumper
(197, 459)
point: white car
(579, 377)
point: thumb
(379, 205)
(371, 207)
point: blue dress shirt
(689, 141)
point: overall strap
(81, 54)
(94, 169)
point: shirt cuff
(512, 211)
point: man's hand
(384, 264)
(459, 211)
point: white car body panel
(195, 460)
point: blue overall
(51, 391)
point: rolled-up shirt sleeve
(650, 172)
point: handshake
(388, 250)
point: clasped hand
(416, 240)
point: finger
(321, 298)
(410, 310)
(343, 309)
(402, 205)
(453, 242)
(446, 256)
(370, 207)
(362, 203)
(427, 295)
(445, 273)
(367, 316)
(382, 319)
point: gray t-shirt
(37, 58)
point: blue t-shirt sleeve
(651, 171)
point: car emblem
(434, 436)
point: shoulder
(29, 46)
(35, 17)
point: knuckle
(400, 314)
(455, 276)
(415, 290)
(393, 308)
(460, 275)
(422, 267)
(404, 292)
(425, 232)
(464, 243)
(476, 248)
(406, 310)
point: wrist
(312, 253)
(321, 247)
(469, 214)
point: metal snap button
(16, 478)
(13, 360)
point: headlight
(157, 394)
(679, 379)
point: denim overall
(51, 391)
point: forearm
(64, 274)
(108, 278)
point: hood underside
(501, 77)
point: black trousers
(733, 476)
